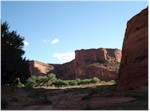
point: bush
(52, 77)
(95, 80)
(65, 83)
(85, 81)
(72, 82)
(19, 83)
(42, 80)
(78, 81)
(112, 82)
(59, 83)
(31, 81)
(51, 80)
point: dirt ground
(96, 97)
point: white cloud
(54, 41)
(64, 57)
(45, 40)
(25, 43)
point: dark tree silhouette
(13, 65)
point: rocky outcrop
(38, 68)
(102, 63)
(82, 57)
(133, 71)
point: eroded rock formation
(133, 71)
(38, 68)
(102, 63)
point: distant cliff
(38, 68)
(102, 63)
(133, 71)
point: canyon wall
(38, 68)
(102, 63)
(133, 71)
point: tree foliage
(51, 80)
(13, 64)
(31, 81)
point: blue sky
(54, 30)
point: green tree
(51, 78)
(13, 64)
(42, 80)
(31, 81)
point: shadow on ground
(90, 98)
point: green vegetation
(52, 81)
(95, 80)
(13, 65)
(20, 85)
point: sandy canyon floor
(94, 97)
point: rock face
(102, 63)
(133, 71)
(38, 68)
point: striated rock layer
(102, 63)
(133, 71)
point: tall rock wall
(134, 64)
(102, 63)
(82, 57)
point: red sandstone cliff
(102, 63)
(134, 64)
(38, 68)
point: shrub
(112, 82)
(31, 81)
(95, 80)
(52, 77)
(65, 83)
(72, 82)
(42, 80)
(78, 81)
(85, 81)
(59, 83)
(20, 84)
